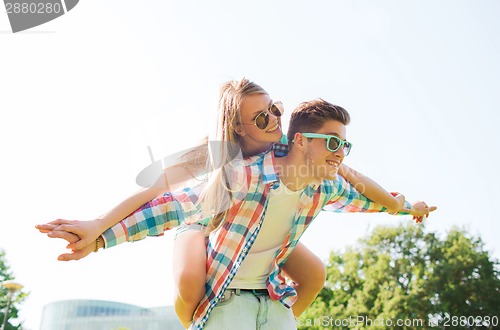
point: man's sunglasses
(333, 143)
(262, 119)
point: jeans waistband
(255, 292)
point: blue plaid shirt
(229, 245)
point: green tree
(403, 273)
(466, 281)
(5, 275)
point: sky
(83, 97)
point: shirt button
(245, 249)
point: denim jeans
(244, 310)
(185, 227)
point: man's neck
(293, 173)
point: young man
(245, 254)
(244, 284)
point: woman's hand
(78, 233)
(78, 254)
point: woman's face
(251, 135)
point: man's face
(323, 163)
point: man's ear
(298, 141)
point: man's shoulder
(334, 185)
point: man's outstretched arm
(345, 198)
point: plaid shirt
(229, 245)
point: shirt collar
(267, 162)
(269, 171)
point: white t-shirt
(276, 225)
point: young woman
(248, 118)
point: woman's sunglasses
(262, 119)
(333, 143)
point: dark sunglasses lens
(275, 110)
(347, 148)
(262, 120)
(333, 144)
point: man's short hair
(310, 116)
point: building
(106, 315)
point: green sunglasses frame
(341, 142)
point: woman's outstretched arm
(80, 234)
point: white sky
(83, 96)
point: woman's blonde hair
(219, 149)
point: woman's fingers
(45, 228)
(70, 237)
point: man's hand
(419, 210)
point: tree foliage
(18, 298)
(403, 273)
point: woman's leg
(189, 264)
(308, 274)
